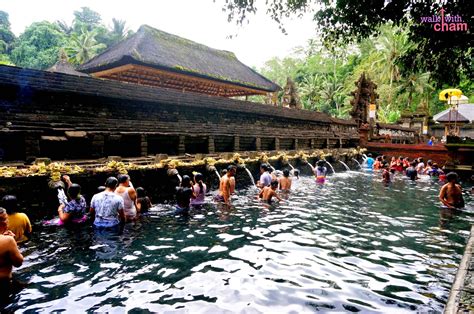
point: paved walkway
(461, 297)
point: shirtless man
(285, 181)
(451, 193)
(269, 192)
(9, 256)
(226, 185)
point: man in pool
(226, 185)
(285, 181)
(107, 207)
(269, 192)
(370, 161)
(451, 193)
(10, 257)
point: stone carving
(290, 96)
(364, 95)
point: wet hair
(379, 158)
(369, 155)
(274, 184)
(452, 176)
(74, 191)
(111, 182)
(435, 165)
(286, 173)
(413, 163)
(420, 159)
(123, 178)
(198, 177)
(429, 162)
(264, 167)
(224, 172)
(101, 189)
(186, 182)
(231, 167)
(140, 192)
(296, 173)
(10, 203)
(400, 157)
(320, 163)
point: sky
(202, 21)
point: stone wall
(61, 116)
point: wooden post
(143, 145)
(258, 143)
(211, 145)
(277, 143)
(182, 145)
(236, 143)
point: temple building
(156, 58)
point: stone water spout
(174, 172)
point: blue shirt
(370, 162)
(77, 208)
(106, 206)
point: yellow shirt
(19, 224)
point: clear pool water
(350, 245)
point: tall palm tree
(118, 32)
(416, 82)
(82, 47)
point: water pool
(350, 245)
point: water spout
(292, 168)
(364, 156)
(179, 178)
(217, 174)
(271, 167)
(250, 175)
(358, 163)
(345, 166)
(332, 168)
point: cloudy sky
(199, 20)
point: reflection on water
(349, 245)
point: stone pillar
(340, 142)
(328, 143)
(143, 145)
(211, 145)
(363, 136)
(277, 143)
(32, 144)
(182, 145)
(258, 143)
(313, 143)
(236, 143)
(98, 143)
(296, 144)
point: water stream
(345, 165)
(250, 175)
(358, 163)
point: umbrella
(458, 100)
(445, 95)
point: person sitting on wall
(269, 192)
(184, 194)
(225, 185)
(285, 181)
(451, 193)
(129, 196)
(265, 176)
(75, 210)
(18, 222)
(10, 257)
(107, 207)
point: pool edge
(454, 300)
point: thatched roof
(62, 66)
(164, 51)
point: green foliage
(446, 55)
(86, 18)
(82, 47)
(38, 46)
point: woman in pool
(320, 171)
(184, 194)
(200, 190)
(143, 202)
(75, 210)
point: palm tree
(118, 32)
(416, 83)
(83, 46)
(330, 93)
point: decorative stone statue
(290, 96)
(364, 95)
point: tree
(82, 47)
(86, 17)
(416, 83)
(352, 20)
(38, 46)
(7, 37)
